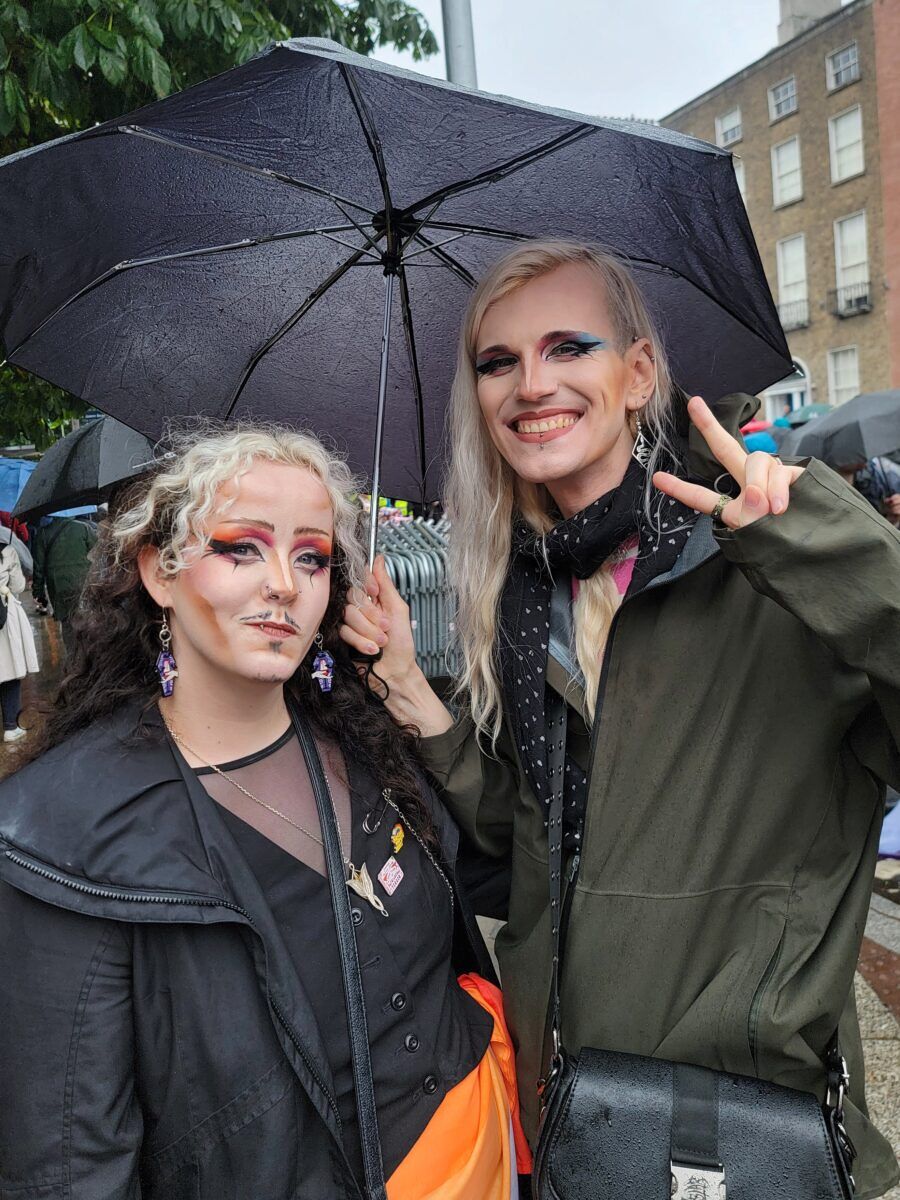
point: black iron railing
(794, 315)
(850, 301)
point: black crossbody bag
(629, 1127)
(353, 989)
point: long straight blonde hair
(484, 496)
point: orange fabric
(464, 1151)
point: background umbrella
(863, 428)
(761, 440)
(252, 245)
(83, 467)
(806, 412)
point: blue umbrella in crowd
(297, 239)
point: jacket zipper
(575, 864)
(208, 902)
(756, 1003)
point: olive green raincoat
(749, 712)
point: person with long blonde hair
(175, 1004)
(724, 630)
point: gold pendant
(361, 883)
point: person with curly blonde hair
(173, 1011)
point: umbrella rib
(373, 141)
(406, 310)
(434, 246)
(493, 174)
(224, 160)
(447, 259)
(478, 230)
(288, 325)
(129, 264)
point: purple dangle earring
(165, 663)
(323, 665)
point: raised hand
(764, 480)
(379, 621)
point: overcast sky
(616, 58)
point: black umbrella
(250, 246)
(863, 428)
(84, 467)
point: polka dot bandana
(578, 546)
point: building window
(793, 301)
(728, 128)
(843, 374)
(842, 66)
(783, 98)
(787, 182)
(845, 140)
(851, 261)
(739, 176)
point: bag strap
(353, 990)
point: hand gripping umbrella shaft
(379, 417)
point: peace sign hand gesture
(764, 480)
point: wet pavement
(877, 979)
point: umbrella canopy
(852, 433)
(761, 440)
(83, 467)
(807, 412)
(758, 425)
(232, 250)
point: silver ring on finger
(716, 513)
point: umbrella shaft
(379, 416)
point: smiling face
(251, 603)
(555, 391)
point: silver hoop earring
(641, 451)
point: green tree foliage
(68, 64)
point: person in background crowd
(18, 656)
(61, 549)
(879, 481)
(19, 528)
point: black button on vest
(398, 1001)
(430, 1085)
(411, 1043)
(357, 916)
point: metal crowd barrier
(415, 551)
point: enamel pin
(390, 876)
(398, 836)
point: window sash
(791, 264)
(783, 98)
(851, 254)
(843, 66)
(843, 374)
(845, 137)
(787, 179)
(740, 175)
(728, 127)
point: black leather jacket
(154, 1036)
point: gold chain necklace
(359, 881)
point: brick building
(813, 126)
